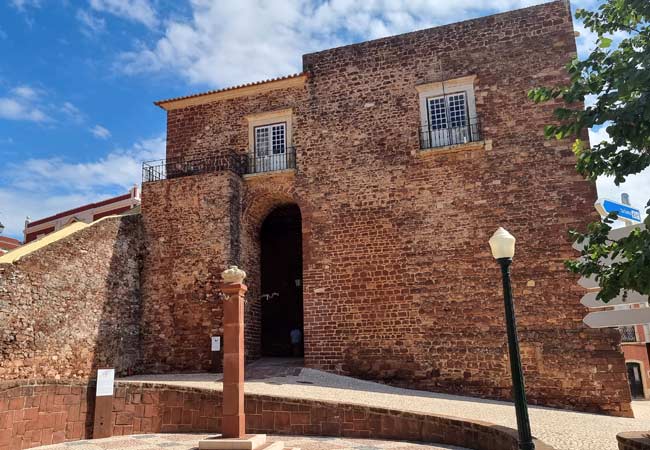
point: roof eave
(232, 92)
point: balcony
(628, 334)
(431, 137)
(240, 163)
(283, 160)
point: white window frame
(446, 89)
(272, 161)
(271, 145)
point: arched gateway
(281, 282)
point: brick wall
(187, 227)
(43, 413)
(150, 408)
(74, 305)
(399, 284)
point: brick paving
(564, 430)
(190, 441)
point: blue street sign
(623, 211)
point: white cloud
(26, 92)
(29, 104)
(134, 10)
(20, 5)
(100, 132)
(90, 25)
(72, 112)
(40, 187)
(228, 42)
(22, 103)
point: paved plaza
(565, 430)
(191, 441)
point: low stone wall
(74, 305)
(42, 413)
(634, 440)
(150, 407)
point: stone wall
(399, 284)
(43, 413)
(74, 305)
(633, 440)
(151, 408)
(187, 228)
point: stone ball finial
(233, 275)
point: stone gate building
(359, 196)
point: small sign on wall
(216, 343)
(105, 379)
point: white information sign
(589, 300)
(105, 378)
(617, 318)
(216, 343)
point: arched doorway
(281, 283)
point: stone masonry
(74, 305)
(398, 284)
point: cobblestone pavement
(565, 430)
(191, 441)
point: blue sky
(78, 78)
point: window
(269, 137)
(270, 140)
(628, 334)
(448, 113)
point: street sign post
(617, 318)
(633, 298)
(625, 212)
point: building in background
(634, 343)
(7, 244)
(86, 213)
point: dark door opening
(281, 276)
(634, 377)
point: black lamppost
(502, 244)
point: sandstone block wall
(74, 305)
(633, 440)
(44, 412)
(151, 408)
(187, 229)
(399, 284)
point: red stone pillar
(233, 421)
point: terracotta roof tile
(231, 88)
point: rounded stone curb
(429, 422)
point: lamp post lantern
(502, 245)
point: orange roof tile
(160, 103)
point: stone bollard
(234, 421)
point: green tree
(618, 77)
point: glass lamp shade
(502, 244)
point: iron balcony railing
(272, 163)
(240, 163)
(165, 169)
(628, 334)
(431, 137)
